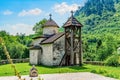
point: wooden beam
(72, 52)
(80, 51)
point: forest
(16, 45)
(100, 33)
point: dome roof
(51, 23)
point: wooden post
(80, 51)
(72, 52)
(73, 40)
(66, 61)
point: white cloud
(64, 8)
(7, 12)
(13, 29)
(35, 11)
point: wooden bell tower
(73, 52)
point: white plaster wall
(47, 55)
(59, 50)
(50, 30)
(34, 55)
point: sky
(19, 16)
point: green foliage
(112, 61)
(99, 71)
(16, 45)
(93, 71)
(16, 50)
(61, 29)
(38, 27)
(100, 34)
(97, 7)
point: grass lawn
(23, 68)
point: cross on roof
(72, 13)
(50, 16)
(72, 21)
(79, 7)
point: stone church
(49, 48)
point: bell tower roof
(72, 21)
(51, 23)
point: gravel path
(64, 76)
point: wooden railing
(94, 62)
(14, 61)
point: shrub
(99, 71)
(102, 71)
(112, 61)
(110, 75)
(93, 71)
(0, 58)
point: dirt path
(65, 76)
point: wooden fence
(94, 62)
(27, 60)
(15, 61)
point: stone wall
(34, 56)
(58, 50)
(47, 55)
(50, 30)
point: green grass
(23, 68)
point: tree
(16, 45)
(38, 28)
(113, 60)
(16, 50)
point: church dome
(50, 23)
(50, 28)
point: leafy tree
(16, 45)
(38, 28)
(101, 31)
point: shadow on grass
(47, 66)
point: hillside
(99, 15)
(101, 31)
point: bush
(93, 71)
(0, 58)
(112, 61)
